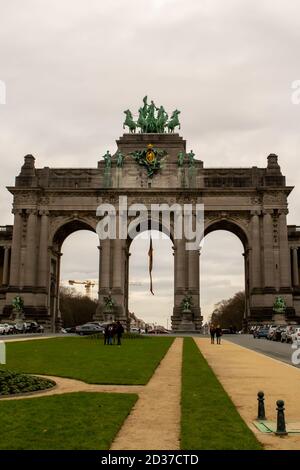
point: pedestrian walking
(106, 334)
(119, 331)
(212, 332)
(218, 334)
(110, 334)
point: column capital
(43, 212)
(283, 211)
(267, 212)
(17, 211)
(31, 212)
(255, 212)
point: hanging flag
(150, 254)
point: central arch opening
(154, 309)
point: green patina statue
(186, 303)
(151, 119)
(18, 303)
(107, 159)
(181, 157)
(120, 159)
(191, 157)
(109, 302)
(279, 305)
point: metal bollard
(281, 428)
(261, 414)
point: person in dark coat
(212, 332)
(218, 334)
(119, 331)
(106, 334)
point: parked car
(271, 332)
(20, 327)
(226, 331)
(68, 329)
(2, 329)
(277, 333)
(286, 335)
(295, 336)
(262, 332)
(88, 329)
(8, 329)
(33, 327)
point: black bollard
(261, 415)
(281, 429)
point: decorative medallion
(150, 158)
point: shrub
(13, 382)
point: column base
(186, 322)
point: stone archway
(51, 202)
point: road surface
(280, 351)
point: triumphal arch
(150, 165)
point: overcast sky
(72, 67)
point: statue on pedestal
(18, 305)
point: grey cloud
(72, 67)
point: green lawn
(85, 421)
(89, 360)
(209, 419)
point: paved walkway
(243, 373)
(154, 422)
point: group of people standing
(215, 332)
(112, 332)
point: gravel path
(154, 422)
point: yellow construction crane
(87, 284)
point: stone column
(255, 251)
(268, 249)
(117, 263)
(284, 253)
(295, 267)
(179, 264)
(5, 279)
(194, 278)
(43, 258)
(30, 260)
(16, 248)
(105, 264)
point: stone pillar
(255, 251)
(194, 277)
(43, 258)
(180, 264)
(117, 263)
(30, 260)
(295, 267)
(268, 249)
(16, 248)
(105, 264)
(284, 253)
(5, 279)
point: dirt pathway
(70, 385)
(243, 373)
(154, 422)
